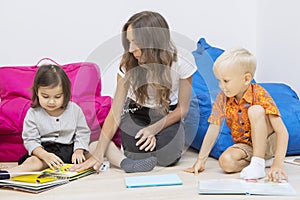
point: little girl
(55, 129)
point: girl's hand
(78, 156)
(52, 160)
(276, 173)
(146, 138)
(197, 167)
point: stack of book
(36, 182)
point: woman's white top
(182, 69)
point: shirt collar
(247, 96)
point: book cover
(152, 180)
(34, 178)
(243, 187)
(36, 182)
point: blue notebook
(152, 180)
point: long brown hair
(152, 35)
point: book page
(221, 186)
(270, 188)
(240, 186)
(64, 172)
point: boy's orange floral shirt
(236, 113)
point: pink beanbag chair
(15, 99)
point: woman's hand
(78, 156)
(199, 166)
(146, 140)
(91, 162)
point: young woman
(152, 95)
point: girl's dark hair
(51, 76)
(151, 35)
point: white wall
(77, 30)
(278, 44)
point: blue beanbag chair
(288, 104)
(205, 88)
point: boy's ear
(248, 78)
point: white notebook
(152, 180)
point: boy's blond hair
(240, 56)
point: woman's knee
(170, 154)
(167, 161)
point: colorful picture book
(243, 187)
(295, 161)
(152, 180)
(41, 181)
(65, 173)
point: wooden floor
(110, 185)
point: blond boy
(259, 134)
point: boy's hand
(197, 167)
(276, 173)
(78, 156)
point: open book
(65, 173)
(36, 182)
(239, 186)
(295, 161)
